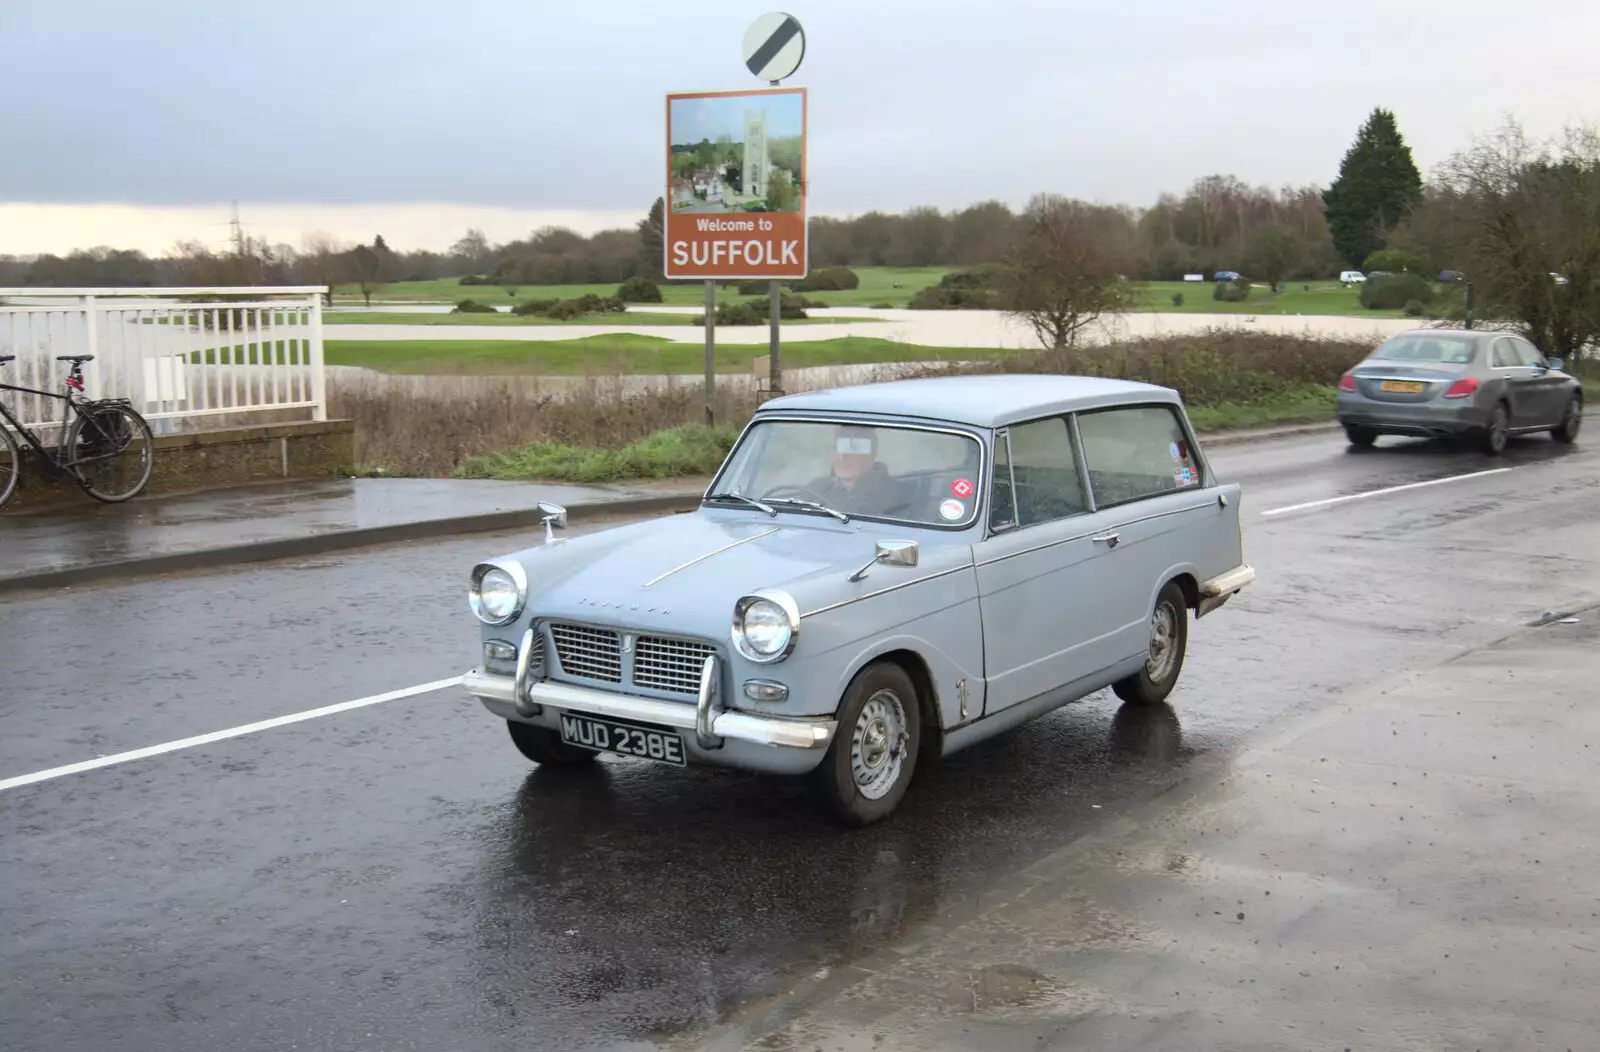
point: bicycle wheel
(10, 464)
(111, 452)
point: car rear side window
(1527, 353)
(1036, 476)
(1505, 355)
(1136, 453)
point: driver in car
(859, 483)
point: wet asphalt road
(397, 877)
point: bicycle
(108, 448)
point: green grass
(678, 452)
(1293, 297)
(1299, 404)
(398, 317)
(877, 286)
(622, 352)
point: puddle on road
(1007, 986)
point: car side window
(1505, 355)
(1039, 473)
(1527, 352)
(1138, 452)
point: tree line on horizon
(1519, 218)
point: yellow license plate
(1401, 386)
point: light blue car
(878, 576)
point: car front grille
(588, 653)
(658, 662)
(669, 664)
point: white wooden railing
(176, 357)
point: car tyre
(1567, 431)
(869, 766)
(1169, 641)
(544, 746)
(1498, 433)
(1360, 437)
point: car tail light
(1462, 388)
(1347, 382)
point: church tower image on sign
(757, 162)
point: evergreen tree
(1378, 181)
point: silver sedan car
(1459, 383)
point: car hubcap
(1497, 430)
(1163, 643)
(878, 746)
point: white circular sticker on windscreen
(951, 510)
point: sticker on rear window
(951, 510)
(961, 488)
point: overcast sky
(510, 113)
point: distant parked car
(1451, 277)
(1227, 275)
(1446, 383)
(878, 576)
(1351, 277)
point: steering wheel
(794, 491)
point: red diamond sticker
(961, 488)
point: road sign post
(711, 353)
(774, 46)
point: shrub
(474, 279)
(1415, 308)
(962, 290)
(564, 310)
(883, 306)
(473, 307)
(790, 308)
(1177, 299)
(589, 303)
(1394, 291)
(1394, 260)
(639, 290)
(539, 307)
(694, 449)
(752, 288)
(1235, 291)
(737, 314)
(829, 279)
(612, 305)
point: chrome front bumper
(706, 724)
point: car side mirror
(890, 553)
(554, 517)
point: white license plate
(625, 739)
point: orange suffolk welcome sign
(736, 186)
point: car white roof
(982, 401)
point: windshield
(863, 470)
(1452, 350)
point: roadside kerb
(338, 540)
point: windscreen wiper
(841, 516)
(769, 509)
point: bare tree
(1068, 269)
(366, 267)
(1522, 218)
(1272, 252)
(324, 260)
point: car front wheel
(544, 746)
(874, 752)
(1169, 641)
(1571, 421)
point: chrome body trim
(886, 590)
(702, 558)
(740, 726)
(1090, 534)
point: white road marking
(1380, 492)
(217, 736)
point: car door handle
(1108, 539)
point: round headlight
(497, 594)
(763, 628)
